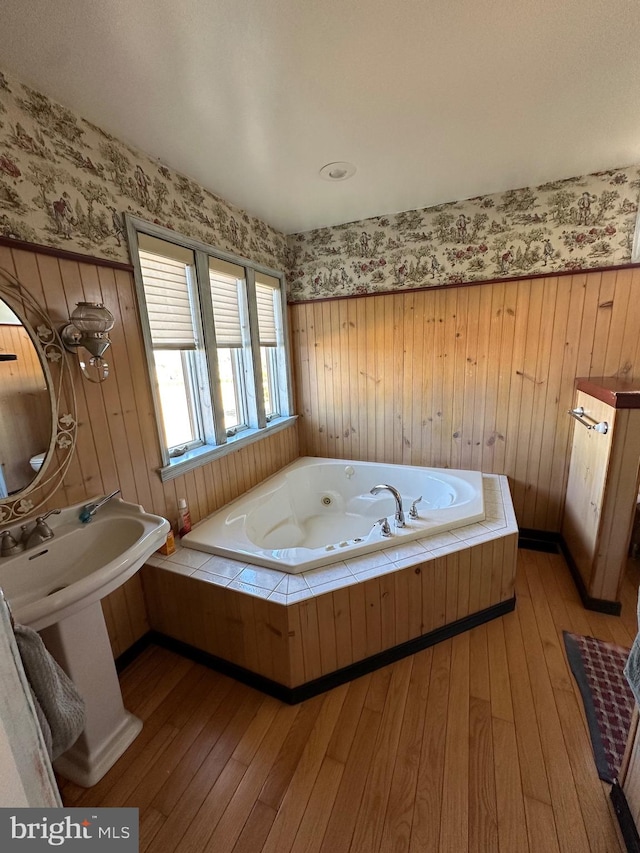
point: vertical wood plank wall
(471, 377)
(117, 440)
(475, 377)
(24, 400)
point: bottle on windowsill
(184, 518)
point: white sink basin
(81, 564)
(55, 588)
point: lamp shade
(92, 318)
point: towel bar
(579, 414)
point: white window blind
(167, 293)
(267, 288)
(224, 278)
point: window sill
(202, 455)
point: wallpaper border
(65, 254)
(473, 283)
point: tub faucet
(87, 512)
(399, 516)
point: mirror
(25, 409)
(37, 404)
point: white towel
(632, 666)
(56, 698)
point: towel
(59, 707)
(632, 666)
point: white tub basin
(315, 512)
(81, 564)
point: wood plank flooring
(477, 744)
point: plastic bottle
(169, 545)
(184, 518)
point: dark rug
(608, 701)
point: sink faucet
(399, 516)
(87, 512)
(38, 534)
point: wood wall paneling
(473, 377)
(117, 441)
(477, 376)
(25, 413)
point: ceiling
(432, 100)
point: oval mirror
(37, 404)
(25, 406)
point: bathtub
(316, 512)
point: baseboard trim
(538, 540)
(294, 695)
(601, 605)
(625, 819)
(553, 543)
(130, 654)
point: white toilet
(37, 460)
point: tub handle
(413, 512)
(384, 526)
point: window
(216, 345)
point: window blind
(167, 295)
(224, 279)
(267, 287)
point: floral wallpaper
(65, 182)
(579, 223)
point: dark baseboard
(625, 819)
(553, 543)
(130, 654)
(602, 605)
(538, 540)
(293, 695)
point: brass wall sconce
(89, 331)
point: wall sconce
(89, 327)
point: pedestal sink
(56, 588)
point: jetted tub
(320, 511)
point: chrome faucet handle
(9, 545)
(413, 512)
(384, 526)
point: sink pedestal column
(80, 644)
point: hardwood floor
(477, 744)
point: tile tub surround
(293, 629)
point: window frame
(216, 442)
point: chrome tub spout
(399, 516)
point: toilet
(37, 460)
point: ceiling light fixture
(338, 171)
